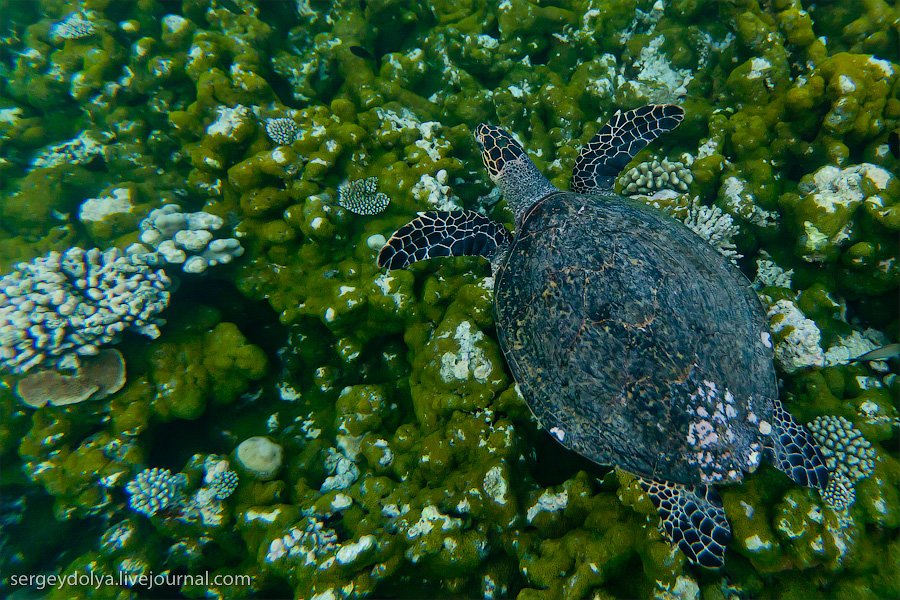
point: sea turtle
(633, 341)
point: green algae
(399, 374)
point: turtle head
(497, 148)
(510, 169)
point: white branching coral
(154, 490)
(362, 197)
(769, 274)
(715, 226)
(186, 239)
(219, 477)
(797, 339)
(62, 305)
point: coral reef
(73, 27)
(797, 339)
(409, 465)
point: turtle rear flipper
(618, 141)
(443, 233)
(795, 452)
(692, 517)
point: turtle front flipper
(692, 517)
(794, 450)
(618, 141)
(443, 233)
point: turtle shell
(634, 342)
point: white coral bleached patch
(656, 78)
(831, 190)
(342, 471)
(833, 187)
(769, 274)
(434, 191)
(495, 485)
(430, 518)
(9, 116)
(228, 119)
(548, 502)
(470, 360)
(758, 68)
(348, 553)
(739, 201)
(797, 339)
(97, 209)
(846, 348)
(82, 149)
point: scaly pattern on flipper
(618, 141)
(692, 517)
(442, 233)
(795, 451)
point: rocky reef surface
(335, 431)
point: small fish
(361, 52)
(883, 353)
(231, 6)
(894, 142)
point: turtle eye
(480, 132)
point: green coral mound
(407, 452)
